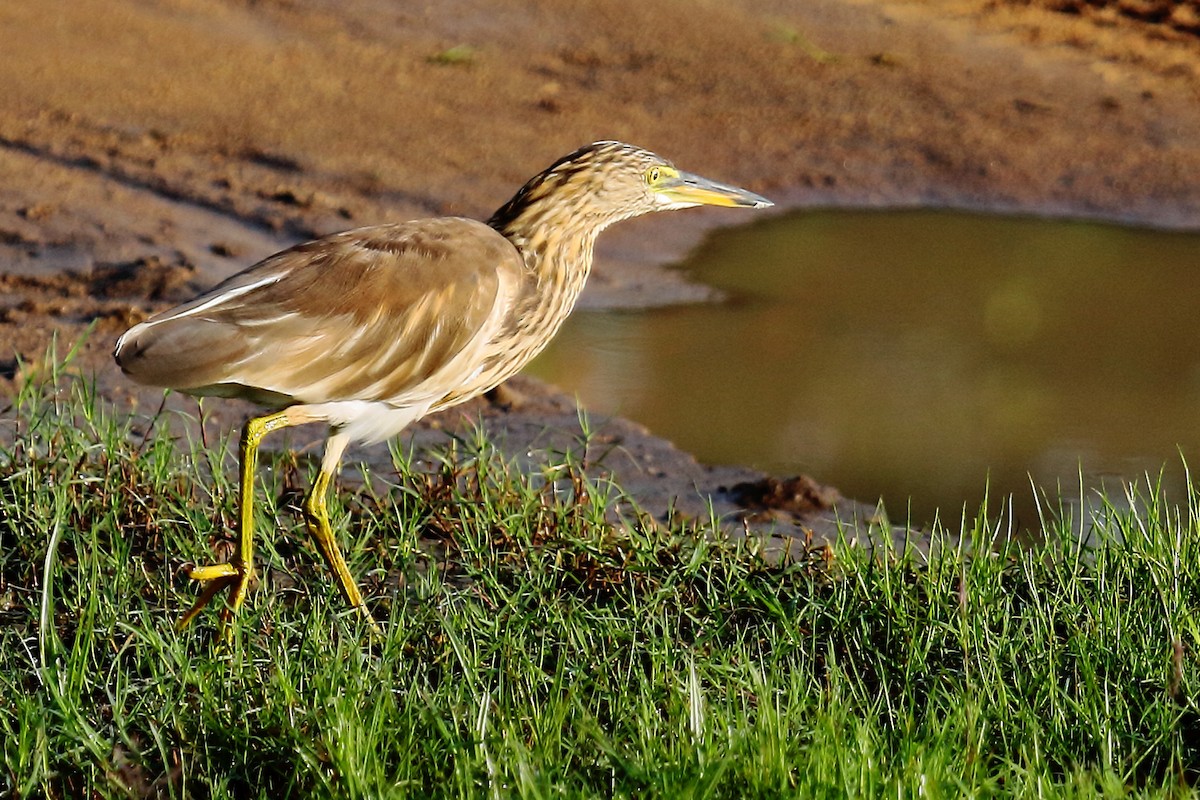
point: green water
(914, 356)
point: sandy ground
(149, 148)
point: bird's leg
(316, 517)
(236, 574)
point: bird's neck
(557, 249)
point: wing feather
(370, 314)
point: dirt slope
(148, 149)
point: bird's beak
(685, 189)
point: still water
(916, 357)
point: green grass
(537, 648)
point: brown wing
(369, 314)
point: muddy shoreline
(147, 151)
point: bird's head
(606, 182)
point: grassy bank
(534, 648)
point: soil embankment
(149, 149)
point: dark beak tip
(752, 200)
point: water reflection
(915, 355)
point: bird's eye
(653, 175)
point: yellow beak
(692, 190)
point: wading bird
(371, 329)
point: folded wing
(376, 314)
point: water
(916, 357)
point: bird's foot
(233, 576)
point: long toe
(213, 572)
(216, 585)
(376, 632)
(232, 576)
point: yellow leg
(236, 574)
(316, 517)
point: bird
(370, 329)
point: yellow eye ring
(653, 175)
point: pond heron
(371, 329)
